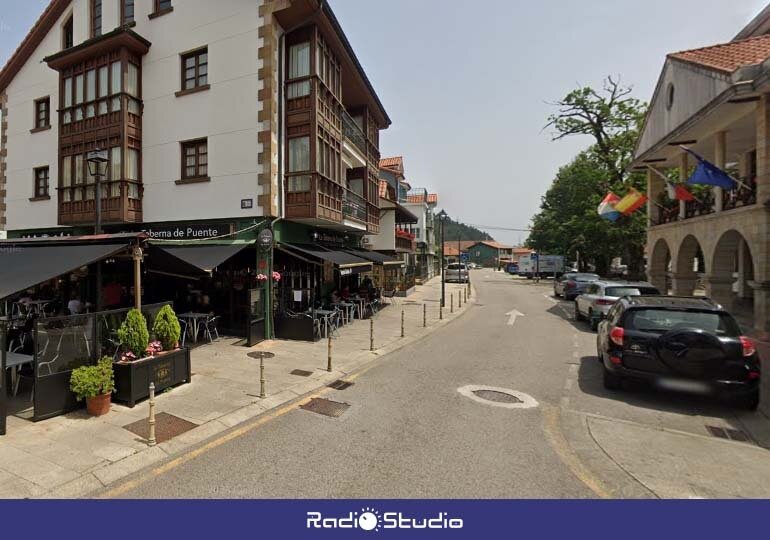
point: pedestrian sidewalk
(75, 454)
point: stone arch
(732, 268)
(659, 265)
(686, 269)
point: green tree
(568, 222)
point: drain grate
(497, 397)
(339, 384)
(167, 426)
(728, 433)
(302, 373)
(326, 407)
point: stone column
(684, 284)
(720, 158)
(719, 287)
(683, 175)
(763, 148)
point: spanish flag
(631, 202)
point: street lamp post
(96, 159)
(442, 216)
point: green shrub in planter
(92, 381)
(133, 334)
(166, 328)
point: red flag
(678, 192)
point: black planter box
(132, 379)
(295, 328)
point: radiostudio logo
(371, 519)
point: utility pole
(442, 217)
(96, 159)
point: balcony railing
(743, 195)
(351, 131)
(740, 196)
(354, 206)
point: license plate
(679, 385)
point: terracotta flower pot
(98, 405)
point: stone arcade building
(715, 101)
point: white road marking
(527, 401)
(512, 316)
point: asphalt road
(408, 431)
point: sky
(469, 85)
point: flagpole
(669, 181)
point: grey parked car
(456, 272)
(572, 284)
(599, 296)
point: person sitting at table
(346, 293)
(27, 297)
(336, 298)
(75, 306)
(368, 286)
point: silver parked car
(572, 284)
(456, 272)
(599, 296)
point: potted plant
(167, 329)
(94, 384)
(159, 361)
(133, 334)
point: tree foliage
(568, 222)
(454, 230)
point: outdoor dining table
(15, 361)
(361, 302)
(349, 308)
(193, 318)
(326, 315)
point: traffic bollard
(371, 334)
(452, 303)
(425, 315)
(440, 312)
(261, 375)
(460, 299)
(329, 363)
(151, 439)
(402, 323)
(465, 293)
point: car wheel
(750, 402)
(578, 316)
(610, 380)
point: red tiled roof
(450, 251)
(34, 37)
(522, 251)
(727, 57)
(390, 162)
(415, 198)
(433, 198)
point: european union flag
(706, 173)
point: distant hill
(459, 231)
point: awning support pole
(136, 254)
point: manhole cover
(326, 407)
(167, 426)
(302, 373)
(728, 433)
(340, 384)
(498, 397)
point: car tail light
(603, 302)
(748, 346)
(616, 335)
(753, 375)
(571, 284)
(616, 360)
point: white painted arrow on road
(512, 316)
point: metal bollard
(402, 323)
(371, 334)
(440, 312)
(329, 364)
(151, 439)
(261, 375)
(452, 303)
(465, 293)
(425, 315)
(459, 299)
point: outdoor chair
(391, 295)
(185, 327)
(209, 327)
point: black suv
(678, 343)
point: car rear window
(663, 320)
(586, 277)
(455, 266)
(631, 291)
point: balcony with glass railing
(353, 133)
(354, 206)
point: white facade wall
(386, 240)
(420, 210)
(226, 114)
